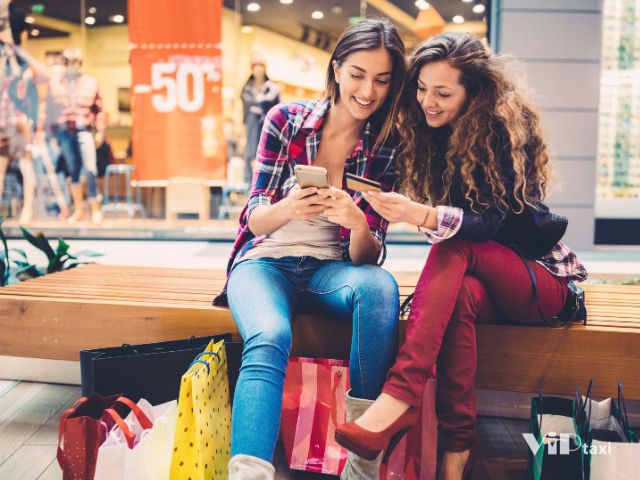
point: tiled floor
(29, 415)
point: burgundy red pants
(463, 283)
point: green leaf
(63, 247)
(40, 242)
(74, 265)
(29, 272)
(20, 252)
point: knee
(376, 285)
(471, 295)
(271, 341)
(447, 247)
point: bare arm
(299, 204)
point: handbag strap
(534, 283)
(62, 461)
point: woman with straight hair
(317, 249)
(475, 165)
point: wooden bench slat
(57, 315)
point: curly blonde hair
(498, 129)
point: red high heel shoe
(368, 445)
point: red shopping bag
(415, 457)
(82, 430)
(313, 405)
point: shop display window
(203, 77)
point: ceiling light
(467, 1)
(90, 20)
(458, 19)
(246, 29)
(317, 15)
(422, 4)
(253, 7)
(117, 18)
(286, 2)
(478, 8)
(92, 10)
(35, 32)
(337, 10)
(30, 19)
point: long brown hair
(371, 34)
(498, 129)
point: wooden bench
(57, 315)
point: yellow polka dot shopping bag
(203, 430)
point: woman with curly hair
(473, 160)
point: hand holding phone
(310, 176)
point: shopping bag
(415, 456)
(555, 445)
(202, 440)
(139, 446)
(82, 429)
(612, 449)
(313, 404)
(151, 371)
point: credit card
(361, 184)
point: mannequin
(15, 126)
(74, 111)
(258, 96)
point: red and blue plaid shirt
(291, 136)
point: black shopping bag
(151, 371)
(555, 447)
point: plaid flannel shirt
(291, 136)
(561, 261)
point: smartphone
(361, 184)
(310, 176)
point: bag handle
(129, 436)
(623, 407)
(62, 461)
(198, 360)
(143, 420)
(337, 377)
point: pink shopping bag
(312, 405)
(414, 458)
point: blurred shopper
(317, 248)
(475, 158)
(18, 107)
(74, 112)
(259, 94)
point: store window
(174, 157)
(618, 174)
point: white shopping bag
(132, 452)
(613, 450)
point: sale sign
(176, 63)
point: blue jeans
(79, 150)
(263, 294)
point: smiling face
(440, 94)
(363, 79)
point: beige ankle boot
(246, 467)
(357, 468)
